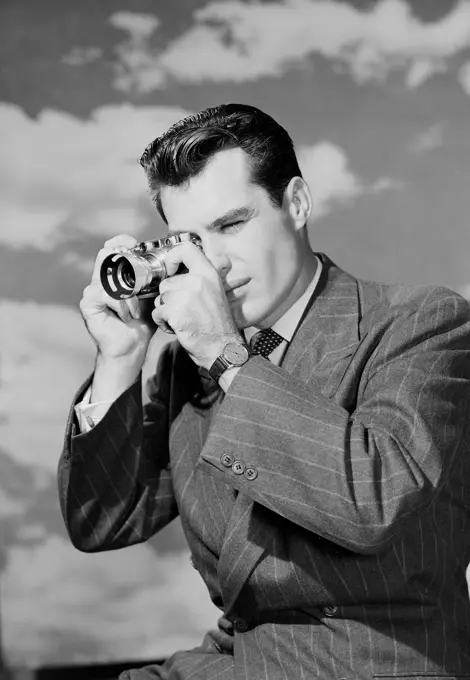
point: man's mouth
(235, 288)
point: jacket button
(239, 467)
(241, 625)
(330, 609)
(251, 473)
(226, 459)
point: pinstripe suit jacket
(325, 502)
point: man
(322, 478)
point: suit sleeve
(115, 485)
(356, 476)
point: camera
(140, 270)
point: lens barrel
(124, 275)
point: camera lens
(126, 274)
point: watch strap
(219, 366)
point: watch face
(235, 353)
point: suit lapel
(319, 353)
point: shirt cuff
(89, 414)
(227, 377)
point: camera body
(139, 271)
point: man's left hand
(194, 305)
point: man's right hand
(116, 326)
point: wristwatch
(233, 354)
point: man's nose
(217, 257)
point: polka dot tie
(265, 341)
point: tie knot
(265, 341)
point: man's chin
(245, 317)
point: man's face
(252, 244)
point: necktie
(264, 342)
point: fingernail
(137, 313)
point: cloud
(431, 138)
(60, 174)
(423, 69)
(63, 606)
(134, 55)
(10, 507)
(110, 221)
(139, 26)
(78, 262)
(464, 291)
(325, 168)
(464, 77)
(82, 56)
(46, 355)
(37, 225)
(236, 41)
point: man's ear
(298, 201)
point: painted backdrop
(377, 98)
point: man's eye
(232, 224)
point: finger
(134, 306)
(188, 254)
(160, 316)
(95, 300)
(123, 240)
(120, 308)
(158, 303)
(169, 286)
(178, 291)
(169, 292)
(130, 307)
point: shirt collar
(287, 324)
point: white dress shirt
(287, 324)
(89, 414)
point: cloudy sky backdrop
(376, 95)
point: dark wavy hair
(183, 151)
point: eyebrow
(235, 215)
